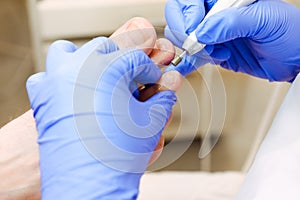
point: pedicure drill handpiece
(191, 44)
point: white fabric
(275, 173)
(190, 185)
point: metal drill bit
(178, 59)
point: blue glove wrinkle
(208, 4)
(101, 44)
(220, 53)
(176, 37)
(82, 172)
(252, 65)
(173, 12)
(231, 62)
(193, 15)
(142, 70)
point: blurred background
(29, 26)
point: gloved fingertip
(185, 67)
(105, 45)
(35, 78)
(164, 98)
(31, 84)
(56, 53)
(102, 45)
(63, 45)
(209, 4)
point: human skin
(19, 157)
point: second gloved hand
(261, 39)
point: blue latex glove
(183, 17)
(261, 39)
(95, 138)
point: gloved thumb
(56, 51)
(133, 65)
(101, 45)
(161, 105)
(230, 24)
(170, 82)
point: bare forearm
(19, 162)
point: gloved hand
(95, 138)
(261, 39)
